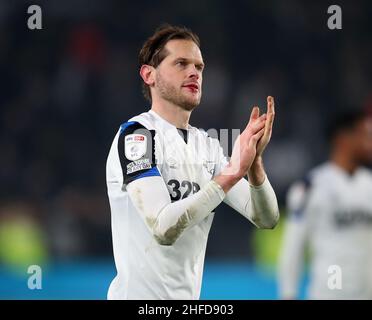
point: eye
(181, 63)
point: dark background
(65, 89)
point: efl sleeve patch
(136, 147)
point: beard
(168, 92)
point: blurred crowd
(65, 89)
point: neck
(172, 113)
(344, 161)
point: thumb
(254, 139)
(255, 113)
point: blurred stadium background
(65, 89)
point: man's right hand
(244, 151)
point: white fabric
(167, 221)
(256, 203)
(153, 259)
(333, 218)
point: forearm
(263, 207)
(257, 204)
(167, 220)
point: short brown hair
(152, 52)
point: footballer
(330, 213)
(165, 177)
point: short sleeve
(136, 149)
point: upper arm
(298, 199)
(136, 150)
(149, 195)
(141, 177)
(298, 203)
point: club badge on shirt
(135, 146)
(209, 166)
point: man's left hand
(256, 173)
(265, 139)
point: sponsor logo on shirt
(172, 163)
(138, 165)
(209, 166)
(135, 146)
(348, 218)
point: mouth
(193, 87)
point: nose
(194, 73)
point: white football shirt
(145, 268)
(162, 196)
(331, 212)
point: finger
(270, 115)
(270, 105)
(256, 125)
(258, 135)
(261, 119)
(269, 120)
(254, 139)
(254, 116)
(255, 113)
(268, 129)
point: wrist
(257, 161)
(256, 173)
(227, 179)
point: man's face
(362, 140)
(178, 77)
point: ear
(147, 74)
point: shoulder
(300, 192)
(307, 181)
(140, 124)
(320, 177)
(142, 120)
(136, 149)
(366, 175)
(366, 172)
